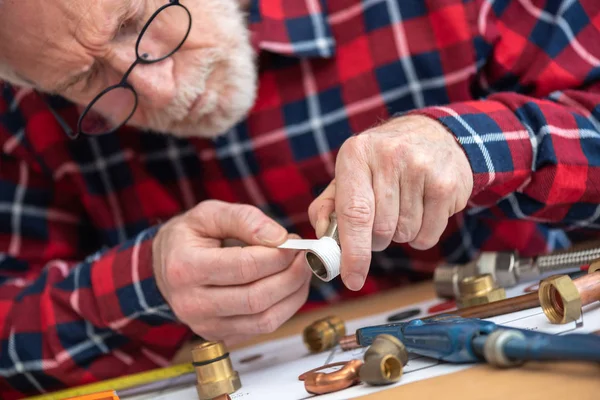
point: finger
(355, 210)
(217, 219)
(320, 209)
(192, 267)
(261, 295)
(387, 205)
(436, 212)
(239, 266)
(435, 220)
(410, 217)
(231, 341)
(267, 321)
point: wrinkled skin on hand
(397, 182)
(228, 293)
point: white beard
(226, 78)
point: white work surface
(275, 366)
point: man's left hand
(401, 182)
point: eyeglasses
(171, 25)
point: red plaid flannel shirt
(517, 82)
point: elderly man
(138, 136)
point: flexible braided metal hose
(570, 258)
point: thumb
(221, 220)
(320, 209)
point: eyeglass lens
(165, 33)
(118, 103)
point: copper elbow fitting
(384, 361)
(562, 298)
(320, 383)
(214, 372)
(324, 334)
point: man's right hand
(228, 293)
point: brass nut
(324, 334)
(479, 289)
(594, 266)
(560, 300)
(214, 372)
(381, 369)
(384, 345)
(476, 285)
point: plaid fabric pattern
(516, 81)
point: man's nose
(154, 83)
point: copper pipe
(588, 287)
(349, 342)
(506, 306)
(320, 383)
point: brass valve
(479, 289)
(562, 298)
(214, 373)
(384, 361)
(324, 334)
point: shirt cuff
(495, 142)
(126, 290)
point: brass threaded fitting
(560, 300)
(385, 344)
(324, 334)
(594, 267)
(381, 369)
(476, 285)
(479, 289)
(214, 372)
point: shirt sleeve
(534, 149)
(68, 319)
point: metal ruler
(124, 382)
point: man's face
(77, 48)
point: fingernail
(322, 225)
(354, 281)
(271, 234)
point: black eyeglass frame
(140, 59)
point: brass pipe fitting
(479, 289)
(214, 372)
(320, 383)
(562, 298)
(381, 370)
(324, 334)
(384, 361)
(316, 261)
(594, 266)
(384, 345)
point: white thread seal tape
(322, 255)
